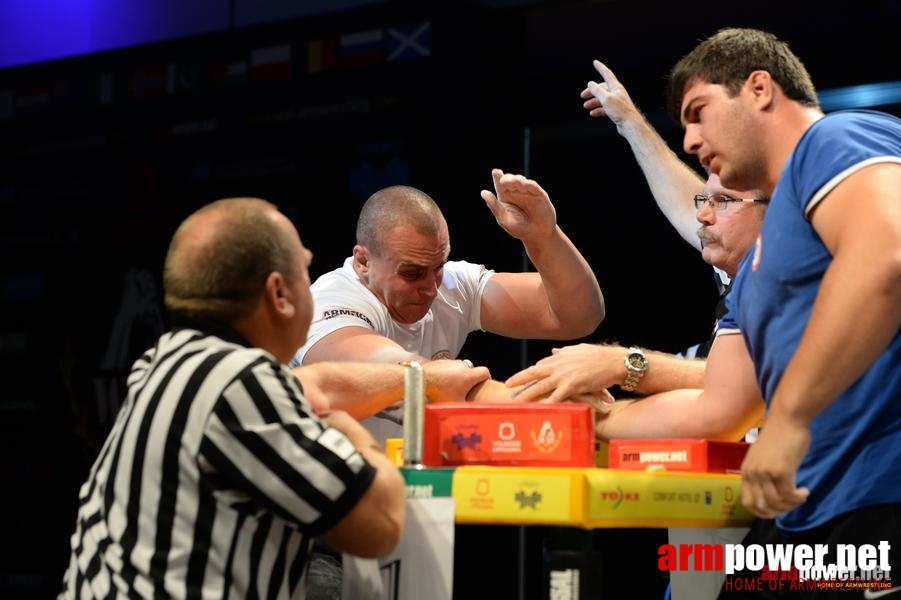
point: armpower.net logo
(758, 567)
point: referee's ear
(277, 294)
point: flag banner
(361, 49)
(228, 73)
(409, 42)
(322, 55)
(147, 82)
(269, 63)
(184, 77)
(32, 96)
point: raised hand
(522, 208)
(609, 98)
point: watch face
(637, 361)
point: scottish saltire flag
(407, 42)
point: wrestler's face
(407, 273)
(727, 231)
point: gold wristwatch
(636, 366)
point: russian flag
(361, 49)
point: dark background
(102, 155)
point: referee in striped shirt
(218, 473)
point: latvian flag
(273, 62)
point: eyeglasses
(719, 201)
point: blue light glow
(33, 31)
(861, 96)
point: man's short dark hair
(728, 57)
(392, 206)
(221, 276)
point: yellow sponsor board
(617, 498)
(520, 495)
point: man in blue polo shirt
(818, 301)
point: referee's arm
(373, 527)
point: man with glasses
(729, 223)
(818, 302)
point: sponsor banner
(651, 499)
(519, 495)
(461, 433)
(427, 483)
(706, 456)
(582, 497)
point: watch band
(631, 382)
(634, 373)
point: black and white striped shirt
(213, 481)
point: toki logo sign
(618, 496)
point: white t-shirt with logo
(341, 300)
